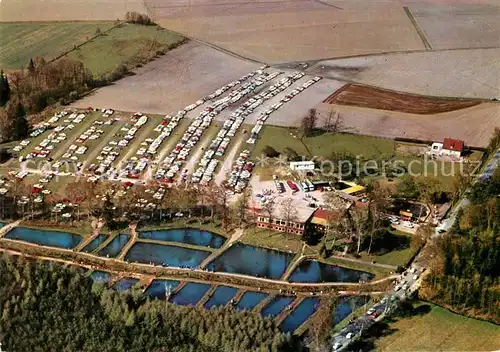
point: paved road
(485, 175)
(406, 284)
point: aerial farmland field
(124, 45)
(473, 124)
(178, 78)
(22, 41)
(274, 34)
(66, 10)
(473, 73)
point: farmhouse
(450, 147)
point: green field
(323, 145)
(22, 41)
(439, 330)
(125, 45)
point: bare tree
(241, 206)
(308, 123)
(333, 121)
(269, 208)
(288, 212)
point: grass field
(128, 45)
(439, 330)
(22, 41)
(323, 145)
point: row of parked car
(174, 161)
(45, 147)
(241, 171)
(113, 149)
(219, 144)
(279, 87)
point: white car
(349, 335)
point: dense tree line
(466, 273)
(48, 307)
(32, 90)
(138, 18)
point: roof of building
(453, 144)
(322, 217)
(353, 189)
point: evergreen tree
(31, 65)
(4, 89)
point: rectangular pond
(125, 284)
(114, 248)
(300, 314)
(159, 288)
(249, 300)
(221, 296)
(191, 236)
(45, 238)
(190, 294)
(100, 276)
(276, 306)
(314, 271)
(251, 260)
(165, 255)
(96, 242)
(345, 306)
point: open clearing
(473, 125)
(283, 31)
(440, 330)
(458, 26)
(128, 45)
(368, 97)
(471, 73)
(169, 83)
(66, 10)
(22, 41)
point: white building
(302, 165)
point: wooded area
(465, 274)
(48, 307)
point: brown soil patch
(375, 98)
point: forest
(48, 307)
(465, 274)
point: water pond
(221, 296)
(159, 288)
(345, 306)
(126, 284)
(45, 238)
(276, 306)
(190, 294)
(114, 248)
(165, 255)
(249, 300)
(96, 242)
(251, 260)
(314, 271)
(191, 236)
(300, 314)
(100, 276)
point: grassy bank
(436, 329)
